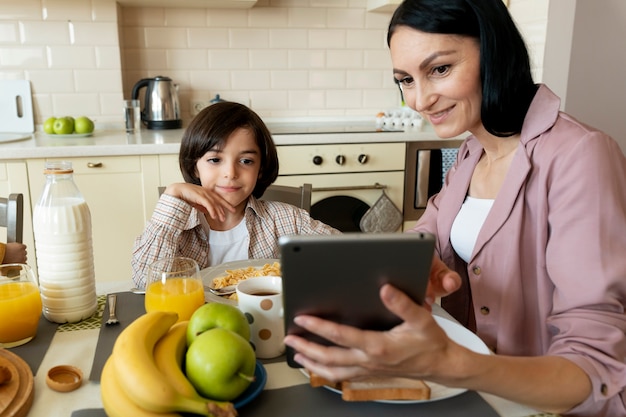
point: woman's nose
(420, 98)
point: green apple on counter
(63, 126)
(212, 315)
(83, 125)
(67, 125)
(220, 364)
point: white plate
(71, 135)
(458, 334)
(217, 271)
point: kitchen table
(76, 345)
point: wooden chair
(297, 196)
(12, 216)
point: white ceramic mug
(261, 300)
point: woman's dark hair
(505, 75)
(213, 126)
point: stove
(296, 128)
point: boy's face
(232, 172)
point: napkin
(304, 401)
(34, 351)
(129, 307)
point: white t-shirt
(467, 225)
(229, 245)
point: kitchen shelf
(205, 4)
(382, 5)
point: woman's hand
(416, 348)
(200, 198)
(442, 281)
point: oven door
(426, 165)
(341, 200)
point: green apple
(48, 125)
(212, 315)
(220, 364)
(83, 124)
(64, 126)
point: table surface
(78, 347)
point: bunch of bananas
(143, 376)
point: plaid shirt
(175, 229)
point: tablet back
(338, 277)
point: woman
(530, 222)
(228, 159)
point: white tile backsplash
(282, 57)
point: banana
(139, 377)
(169, 353)
(116, 402)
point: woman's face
(440, 78)
(232, 171)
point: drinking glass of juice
(174, 284)
(20, 305)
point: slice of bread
(385, 388)
(317, 381)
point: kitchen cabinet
(121, 192)
(14, 179)
(209, 4)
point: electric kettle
(161, 107)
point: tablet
(338, 277)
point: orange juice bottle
(20, 310)
(181, 295)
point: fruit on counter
(133, 365)
(83, 124)
(63, 126)
(67, 125)
(48, 125)
(220, 364)
(212, 315)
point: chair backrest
(297, 196)
(12, 216)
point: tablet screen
(338, 277)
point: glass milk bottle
(62, 228)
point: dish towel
(382, 217)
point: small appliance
(161, 105)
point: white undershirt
(229, 245)
(467, 225)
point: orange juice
(181, 295)
(20, 310)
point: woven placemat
(93, 322)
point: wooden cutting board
(16, 396)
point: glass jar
(63, 243)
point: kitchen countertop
(115, 142)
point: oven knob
(340, 159)
(317, 160)
(362, 159)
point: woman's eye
(441, 70)
(406, 81)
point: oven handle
(375, 186)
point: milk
(63, 243)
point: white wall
(585, 62)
